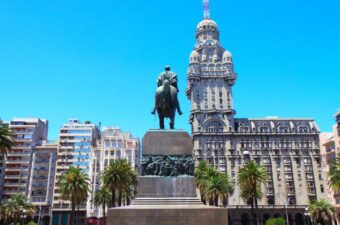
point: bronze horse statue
(166, 104)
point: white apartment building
(77, 141)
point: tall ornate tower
(210, 80)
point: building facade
(42, 181)
(77, 141)
(288, 148)
(28, 133)
(330, 148)
(114, 144)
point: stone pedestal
(163, 199)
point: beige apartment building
(330, 148)
(28, 133)
(114, 144)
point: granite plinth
(168, 215)
(163, 142)
(167, 200)
(155, 187)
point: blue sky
(98, 60)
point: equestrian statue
(166, 102)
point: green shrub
(276, 221)
(32, 223)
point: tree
(334, 174)
(212, 184)
(6, 140)
(120, 179)
(250, 178)
(218, 186)
(73, 186)
(200, 177)
(276, 221)
(129, 189)
(102, 197)
(321, 211)
(15, 206)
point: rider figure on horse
(166, 102)
(167, 75)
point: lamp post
(307, 214)
(39, 212)
(287, 218)
(23, 217)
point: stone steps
(167, 201)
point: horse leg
(172, 119)
(161, 122)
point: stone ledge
(155, 187)
(168, 215)
(166, 142)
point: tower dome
(227, 57)
(207, 24)
(194, 56)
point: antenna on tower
(206, 9)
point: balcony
(14, 153)
(16, 177)
(17, 161)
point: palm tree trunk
(120, 198)
(113, 203)
(78, 214)
(72, 212)
(216, 200)
(256, 211)
(104, 213)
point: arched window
(303, 129)
(283, 129)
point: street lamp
(307, 214)
(23, 217)
(39, 211)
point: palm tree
(200, 177)
(129, 189)
(218, 186)
(119, 178)
(102, 197)
(250, 178)
(14, 207)
(111, 178)
(212, 184)
(334, 173)
(73, 186)
(6, 140)
(321, 211)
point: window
(214, 127)
(264, 129)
